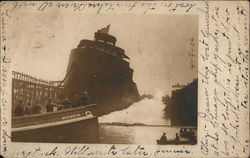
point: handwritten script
(224, 79)
(100, 7)
(108, 150)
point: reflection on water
(111, 134)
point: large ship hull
(76, 125)
(183, 107)
(106, 78)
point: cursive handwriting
(106, 6)
(222, 74)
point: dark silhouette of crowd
(50, 106)
(22, 110)
(188, 134)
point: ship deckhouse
(104, 42)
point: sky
(157, 44)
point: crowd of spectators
(24, 109)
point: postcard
(124, 79)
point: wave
(146, 111)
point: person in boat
(84, 99)
(163, 138)
(27, 109)
(76, 101)
(59, 103)
(185, 131)
(191, 135)
(67, 103)
(36, 108)
(181, 131)
(49, 105)
(177, 138)
(19, 110)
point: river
(141, 123)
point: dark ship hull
(181, 107)
(100, 69)
(75, 125)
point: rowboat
(175, 142)
(74, 125)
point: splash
(147, 111)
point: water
(141, 123)
(110, 134)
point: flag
(104, 30)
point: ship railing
(113, 50)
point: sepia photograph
(105, 78)
(124, 79)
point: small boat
(74, 125)
(175, 142)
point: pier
(29, 89)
